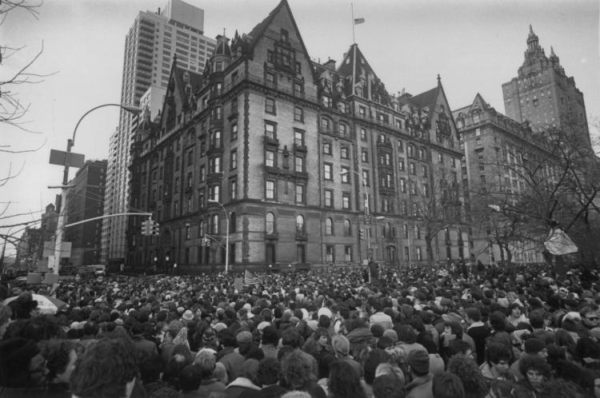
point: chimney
(330, 64)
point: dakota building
(270, 159)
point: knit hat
(534, 345)
(418, 360)
(244, 337)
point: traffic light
(155, 228)
(361, 234)
(146, 227)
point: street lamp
(226, 233)
(64, 187)
(366, 206)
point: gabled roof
(426, 99)
(359, 74)
(177, 86)
(259, 30)
(478, 102)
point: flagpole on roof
(353, 23)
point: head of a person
(343, 382)
(291, 337)
(21, 363)
(269, 336)
(341, 345)
(535, 346)
(372, 361)
(387, 368)
(107, 368)
(459, 347)
(536, 319)
(467, 370)
(497, 321)
(60, 360)
(418, 362)
(406, 334)
(294, 371)
(498, 356)
(189, 378)
(515, 310)
(589, 317)
(447, 385)
(250, 370)
(388, 385)
(473, 314)
(269, 372)
(206, 361)
(321, 336)
(535, 369)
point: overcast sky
(475, 46)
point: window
(270, 106)
(270, 223)
(176, 184)
(214, 224)
(453, 162)
(298, 88)
(345, 174)
(406, 253)
(201, 203)
(343, 130)
(344, 152)
(270, 189)
(300, 194)
(328, 198)
(362, 111)
(400, 147)
(327, 147)
(347, 228)
(215, 139)
(385, 205)
(421, 154)
(233, 160)
(401, 164)
(234, 131)
(405, 231)
(214, 164)
(270, 78)
(270, 158)
(363, 134)
(298, 114)
(346, 200)
(328, 226)
(189, 180)
(365, 177)
(404, 208)
(187, 231)
(270, 130)
(364, 156)
(233, 189)
(285, 36)
(410, 151)
(329, 254)
(424, 170)
(440, 158)
(299, 164)
(419, 254)
(417, 232)
(214, 193)
(348, 253)
(300, 225)
(402, 185)
(426, 190)
(327, 168)
(412, 168)
(299, 137)
(325, 124)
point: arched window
(300, 229)
(347, 228)
(270, 223)
(329, 226)
(343, 130)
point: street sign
(62, 158)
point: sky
(474, 45)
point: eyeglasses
(593, 318)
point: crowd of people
(333, 333)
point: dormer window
(285, 36)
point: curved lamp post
(64, 187)
(226, 233)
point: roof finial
(439, 79)
(531, 29)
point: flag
(358, 21)
(559, 243)
(250, 279)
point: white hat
(325, 311)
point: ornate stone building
(270, 159)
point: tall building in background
(544, 95)
(150, 47)
(85, 202)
